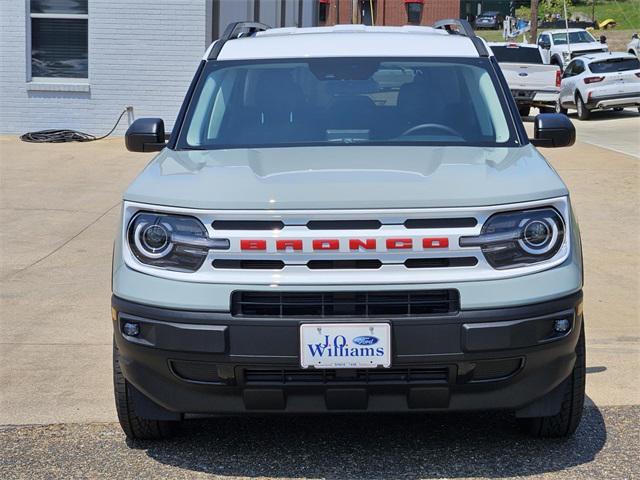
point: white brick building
(78, 63)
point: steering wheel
(437, 126)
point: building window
(414, 12)
(323, 11)
(367, 12)
(59, 38)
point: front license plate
(345, 345)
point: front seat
(419, 102)
(279, 110)
(352, 112)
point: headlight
(174, 242)
(514, 239)
(566, 55)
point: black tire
(135, 427)
(583, 111)
(524, 111)
(560, 108)
(566, 422)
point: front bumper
(195, 362)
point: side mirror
(552, 130)
(145, 135)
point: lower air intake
(427, 375)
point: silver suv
(348, 219)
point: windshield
(615, 65)
(574, 37)
(516, 54)
(270, 103)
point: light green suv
(348, 219)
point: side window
(578, 67)
(59, 38)
(568, 72)
(544, 40)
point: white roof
(519, 45)
(565, 30)
(594, 57)
(348, 41)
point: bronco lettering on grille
(354, 244)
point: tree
(524, 13)
(544, 8)
(534, 22)
(550, 7)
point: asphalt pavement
(478, 445)
(59, 206)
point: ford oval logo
(365, 340)
(523, 74)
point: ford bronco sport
(348, 219)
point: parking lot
(59, 209)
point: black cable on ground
(59, 136)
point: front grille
(248, 264)
(344, 225)
(579, 53)
(343, 264)
(345, 304)
(463, 222)
(350, 264)
(441, 262)
(247, 225)
(438, 375)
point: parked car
(633, 46)
(492, 20)
(599, 82)
(561, 46)
(310, 241)
(532, 83)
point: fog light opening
(562, 326)
(131, 329)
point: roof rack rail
(236, 30)
(464, 28)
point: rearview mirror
(552, 130)
(145, 135)
(544, 45)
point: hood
(345, 177)
(591, 46)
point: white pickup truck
(532, 83)
(561, 46)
